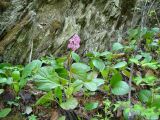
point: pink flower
(74, 42)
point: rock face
(30, 29)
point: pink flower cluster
(74, 42)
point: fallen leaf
(54, 115)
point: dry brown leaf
(54, 115)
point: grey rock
(44, 27)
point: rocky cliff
(30, 29)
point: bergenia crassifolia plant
(74, 42)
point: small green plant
(62, 82)
(4, 112)
(32, 117)
(10, 75)
(129, 67)
(107, 109)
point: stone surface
(34, 28)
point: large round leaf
(79, 70)
(120, 88)
(47, 78)
(98, 81)
(91, 86)
(99, 64)
(117, 46)
(71, 103)
(80, 67)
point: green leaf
(138, 57)
(147, 57)
(77, 85)
(138, 80)
(116, 78)
(120, 88)
(150, 114)
(106, 53)
(126, 114)
(99, 64)
(91, 105)
(80, 66)
(134, 33)
(1, 91)
(2, 72)
(155, 102)
(58, 94)
(145, 95)
(45, 98)
(47, 78)
(69, 91)
(126, 73)
(143, 31)
(8, 80)
(94, 118)
(32, 117)
(34, 65)
(16, 75)
(91, 86)
(150, 79)
(120, 64)
(156, 29)
(117, 46)
(60, 61)
(48, 86)
(98, 81)
(105, 73)
(4, 112)
(134, 60)
(27, 71)
(23, 82)
(152, 65)
(138, 108)
(75, 56)
(62, 72)
(92, 75)
(79, 75)
(71, 103)
(62, 118)
(79, 70)
(16, 87)
(3, 80)
(93, 54)
(3, 65)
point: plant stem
(130, 85)
(69, 67)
